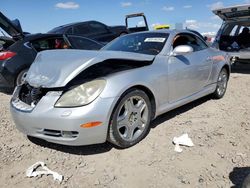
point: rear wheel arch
(227, 69)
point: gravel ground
(220, 130)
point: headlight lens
(81, 95)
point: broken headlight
(82, 94)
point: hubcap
(132, 118)
(222, 83)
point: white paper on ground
(31, 171)
(182, 140)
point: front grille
(31, 95)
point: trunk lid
(13, 28)
(235, 13)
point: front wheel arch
(147, 92)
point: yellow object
(165, 26)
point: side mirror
(182, 50)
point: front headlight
(81, 95)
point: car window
(58, 30)
(233, 31)
(69, 31)
(84, 43)
(82, 29)
(49, 44)
(191, 40)
(242, 27)
(144, 43)
(96, 27)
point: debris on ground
(182, 140)
(31, 171)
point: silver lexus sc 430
(76, 97)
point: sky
(38, 16)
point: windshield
(143, 43)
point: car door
(189, 73)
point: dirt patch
(220, 130)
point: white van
(233, 36)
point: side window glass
(69, 31)
(180, 40)
(49, 44)
(201, 45)
(82, 29)
(242, 27)
(188, 39)
(84, 44)
(233, 31)
(97, 27)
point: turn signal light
(6, 55)
(91, 124)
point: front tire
(130, 119)
(221, 84)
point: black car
(92, 29)
(5, 42)
(17, 58)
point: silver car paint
(46, 71)
(168, 87)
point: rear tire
(221, 84)
(130, 119)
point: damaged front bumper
(62, 125)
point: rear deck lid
(13, 28)
(235, 13)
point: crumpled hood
(55, 68)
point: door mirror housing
(182, 50)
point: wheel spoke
(130, 132)
(122, 121)
(141, 105)
(129, 105)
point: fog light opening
(69, 134)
